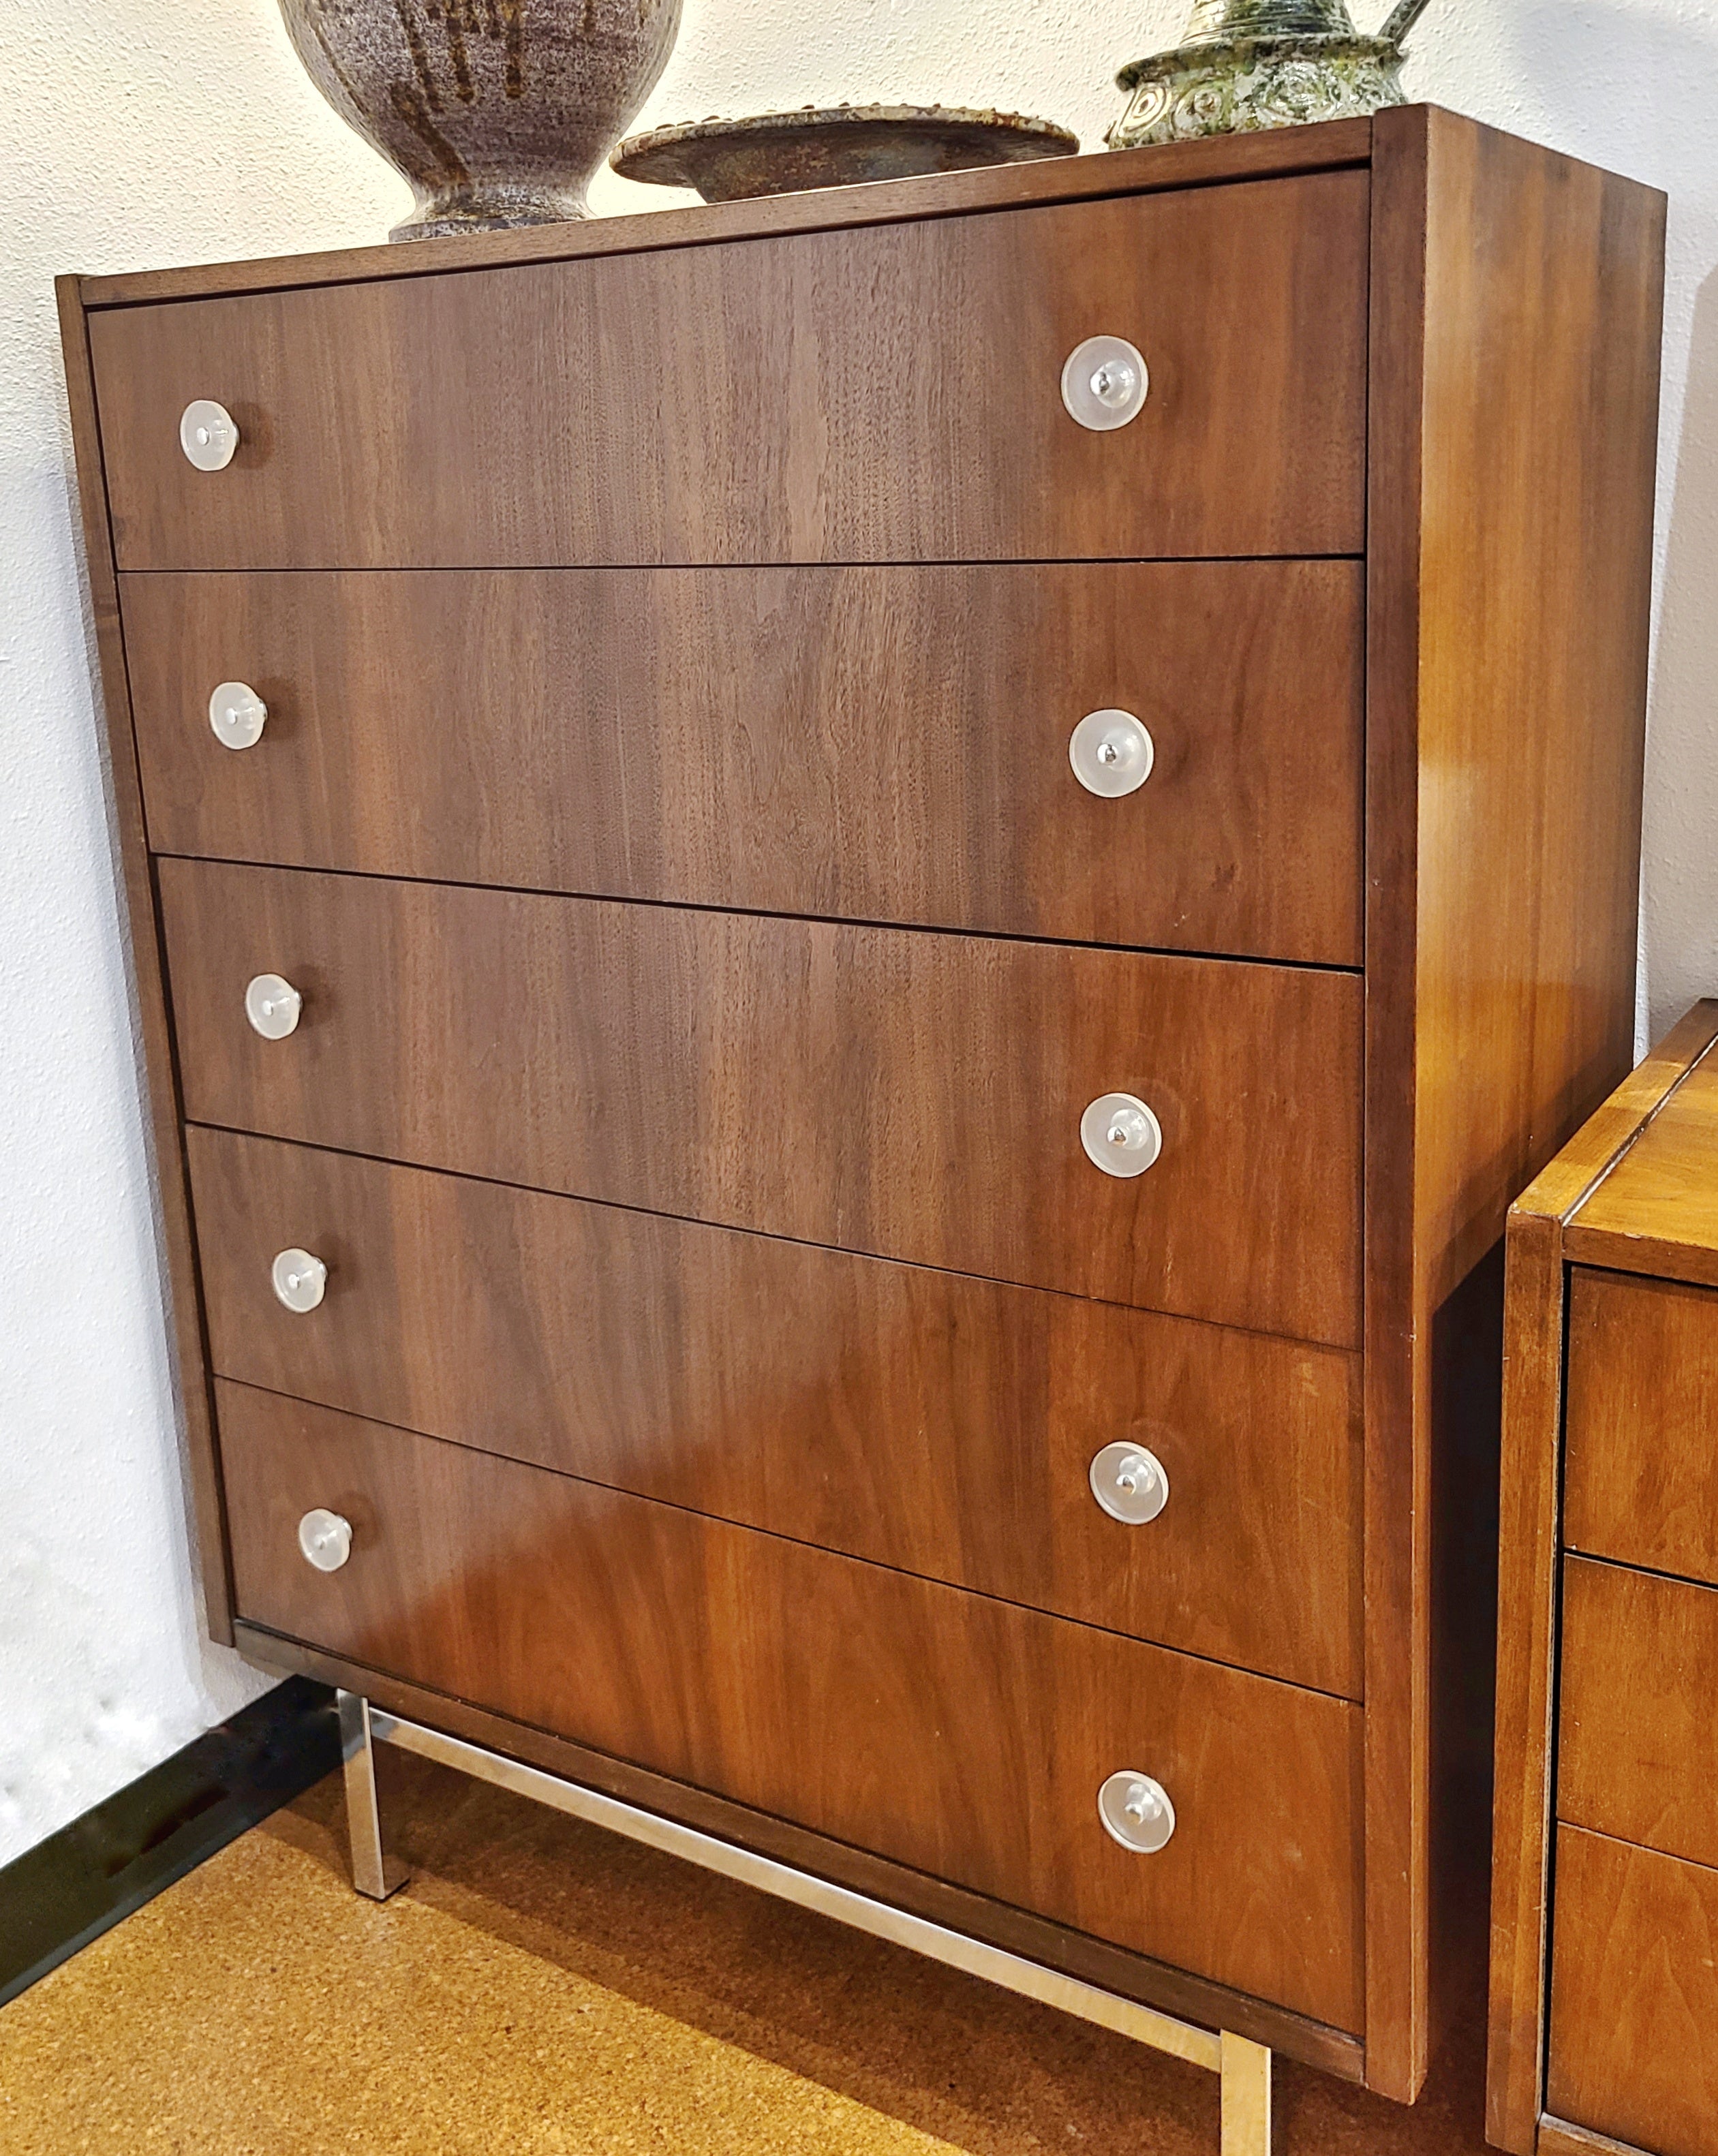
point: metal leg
(373, 1872)
(1244, 2067)
(1246, 2071)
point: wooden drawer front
(891, 393)
(936, 1422)
(961, 1735)
(1634, 2046)
(1638, 1752)
(918, 1096)
(1641, 1481)
(884, 744)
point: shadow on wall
(1635, 84)
(1681, 834)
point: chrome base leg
(374, 1872)
(1246, 2071)
(1244, 2067)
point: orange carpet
(542, 1988)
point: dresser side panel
(1527, 1609)
(1397, 1651)
(1544, 307)
(1513, 430)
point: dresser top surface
(1272, 154)
(1636, 1187)
(1666, 1185)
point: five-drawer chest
(1604, 1995)
(851, 915)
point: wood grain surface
(1638, 1740)
(1078, 1953)
(1516, 298)
(1556, 2137)
(1604, 1141)
(1657, 1212)
(923, 1420)
(1531, 1527)
(741, 402)
(1208, 162)
(879, 744)
(1634, 1997)
(959, 1734)
(913, 1095)
(834, 415)
(1641, 1474)
(1526, 1696)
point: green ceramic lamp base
(1249, 83)
(1245, 64)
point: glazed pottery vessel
(1245, 64)
(497, 111)
(778, 153)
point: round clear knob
(1105, 384)
(209, 435)
(325, 1539)
(1136, 1811)
(301, 1279)
(238, 715)
(272, 1005)
(1131, 1483)
(1120, 1134)
(1111, 753)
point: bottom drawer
(1635, 1995)
(964, 1737)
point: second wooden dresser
(1604, 2000)
(848, 915)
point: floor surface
(544, 1988)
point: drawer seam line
(1355, 972)
(797, 1542)
(1353, 1349)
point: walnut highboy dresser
(762, 1218)
(1604, 1995)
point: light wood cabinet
(1606, 1860)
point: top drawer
(1641, 1478)
(891, 393)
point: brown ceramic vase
(497, 111)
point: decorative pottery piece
(498, 111)
(778, 153)
(1245, 64)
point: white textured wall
(141, 132)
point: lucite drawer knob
(1120, 1134)
(238, 715)
(325, 1540)
(1111, 753)
(1131, 1484)
(301, 1279)
(1136, 1812)
(273, 1005)
(209, 435)
(1105, 384)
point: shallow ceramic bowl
(778, 153)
